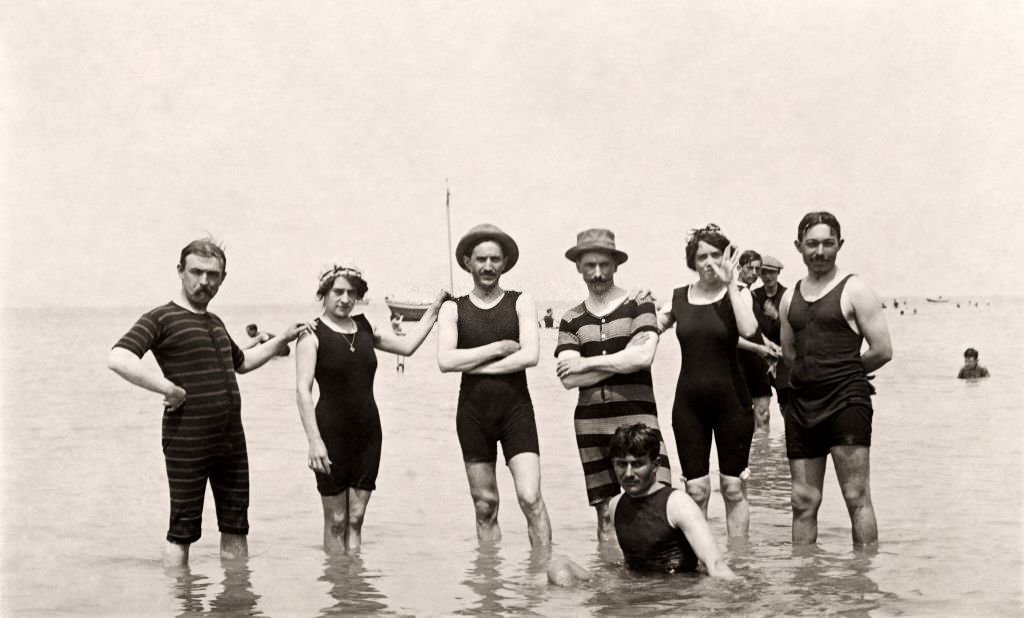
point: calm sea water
(85, 501)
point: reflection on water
(484, 578)
(839, 581)
(235, 598)
(351, 587)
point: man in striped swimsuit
(606, 345)
(202, 426)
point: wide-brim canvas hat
(771, 263)
(596, 239)
(486, 231)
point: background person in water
(971, 368)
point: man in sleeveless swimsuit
(755, 352)
(202, 426)
(659, 529)
(826, 318)
(491, 336)
(606, 345)
(766, 310)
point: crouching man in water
(660, 529)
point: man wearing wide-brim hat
(490, 336)
(606, 345)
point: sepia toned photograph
(551, 309)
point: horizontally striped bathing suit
(620, 399)
(203, 438)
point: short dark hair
(206, 247)
(358, 284)
(749, 256)
(970, 353)
(814, 218)
(711, 235)
(638, 440)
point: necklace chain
(352, 341)
(349, 338)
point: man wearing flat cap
(490, 336)
(606, 345)
(766, 310)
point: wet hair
(710, 234)
(637, 440)
(354, 278)
(814, 218)
(749, 256)
(205, 247)
(970, 353)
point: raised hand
(728, 266)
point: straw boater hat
(596, 239)
(771, 263)
(485, 231)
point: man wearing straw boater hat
(490, 336)
(606, 345)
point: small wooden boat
(936, 299)
(411, 311)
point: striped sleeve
(568, 339)
(140, 338)
(645, 319)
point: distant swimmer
(202, 424)
(711, 398)
(825, 320)
(256, 337)
(605, 348)
(971, 368)
(549, 318)
(490, 335)
(343, 426)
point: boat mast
(448, 217)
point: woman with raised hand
(343, 428)
(711, 396)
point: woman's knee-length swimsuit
(711, 395)
(346, 412)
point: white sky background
(300, 132)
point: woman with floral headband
(711, 395)
(343, 428)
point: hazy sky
(297, 133)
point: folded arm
(453, 359)
(529, 343)
(577, 370)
